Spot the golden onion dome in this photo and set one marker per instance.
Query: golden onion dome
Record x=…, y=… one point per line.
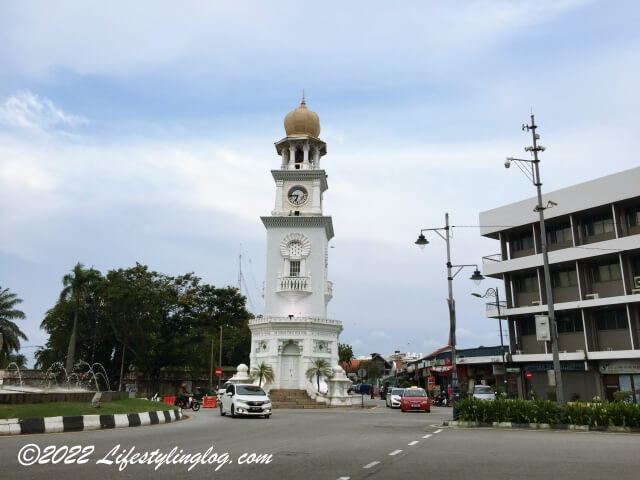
x=302, y=122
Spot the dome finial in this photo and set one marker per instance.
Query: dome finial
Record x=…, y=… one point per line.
x=303, y=102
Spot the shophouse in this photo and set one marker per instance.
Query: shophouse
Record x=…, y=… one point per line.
x=593, y=238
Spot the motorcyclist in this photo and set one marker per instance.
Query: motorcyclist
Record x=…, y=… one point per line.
x=183, y=396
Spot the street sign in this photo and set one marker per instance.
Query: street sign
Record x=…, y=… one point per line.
x=528, y=375
x=218, y=372
x=362, y=372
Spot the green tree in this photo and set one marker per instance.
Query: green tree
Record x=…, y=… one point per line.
x=263, y=371
x=373, y=370
x=76, y=286
x=11, y=333
x=319, y=368
x=345, y=353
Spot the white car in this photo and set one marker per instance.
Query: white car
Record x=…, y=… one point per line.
x=245, y=399
x=394, y=397
x=483, y=392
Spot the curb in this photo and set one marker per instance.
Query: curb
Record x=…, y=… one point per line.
x=80, y=423
x=541, y=426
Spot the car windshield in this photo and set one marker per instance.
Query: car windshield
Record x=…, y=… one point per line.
x=397, y=391
x=249, y=390
x=482, y=389
x=414, y=392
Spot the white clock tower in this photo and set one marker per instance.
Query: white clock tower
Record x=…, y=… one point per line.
x=295, y=330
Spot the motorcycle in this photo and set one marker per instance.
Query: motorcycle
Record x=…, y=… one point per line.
x=192, y=402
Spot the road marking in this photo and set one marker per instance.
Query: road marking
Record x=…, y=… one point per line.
x=438, y=431
x=395, y=452
x=344, y=478
x=372, y=464
x=427, y=436
x=436, y=426
x=412, y=443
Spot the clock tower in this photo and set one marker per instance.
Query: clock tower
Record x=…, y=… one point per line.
x=294, y=329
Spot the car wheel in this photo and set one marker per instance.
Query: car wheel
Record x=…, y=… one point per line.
x=222, y=414
x=233, y=412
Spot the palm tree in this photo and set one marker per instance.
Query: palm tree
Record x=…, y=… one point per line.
x=263, y=371
x=319, y=368
x=10, y=333
x=76, y=285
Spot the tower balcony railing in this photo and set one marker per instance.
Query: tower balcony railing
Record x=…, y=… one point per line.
x=328, y=290
x=294, y=284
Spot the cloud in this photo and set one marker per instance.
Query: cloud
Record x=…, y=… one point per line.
x=378, y=334
x=28, y=110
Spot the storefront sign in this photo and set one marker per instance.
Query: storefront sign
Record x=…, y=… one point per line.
x=513, y=370
x=617, y=367
x=564, y=366
x=441, y=368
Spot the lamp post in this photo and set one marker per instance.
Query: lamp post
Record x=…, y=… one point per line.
x=534, y=176
x=493, y=292
x=476, y=277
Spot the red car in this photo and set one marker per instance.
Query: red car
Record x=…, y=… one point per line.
x=415, y=399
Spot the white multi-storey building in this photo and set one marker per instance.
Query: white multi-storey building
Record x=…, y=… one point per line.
x=593, y=237
x=294, y=329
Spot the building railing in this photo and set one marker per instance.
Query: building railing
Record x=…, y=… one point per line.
x=294, y=284
x=492, y=306
x=489, y=259
x=324, y=321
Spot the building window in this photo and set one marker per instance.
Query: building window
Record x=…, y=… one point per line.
x=613, y=319
x=633, y=216
x=294, y=268
x=605, y=273
x=527, y=326
x=569, y=322
x=567, y=278
x=523, y=241
x=299, y=156
x=528, y=284
x=598, y=225
x=559, y=234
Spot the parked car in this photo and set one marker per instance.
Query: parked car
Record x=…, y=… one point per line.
x=415, y=399
x=394, y=397
x=483, y=392
x=245, y=399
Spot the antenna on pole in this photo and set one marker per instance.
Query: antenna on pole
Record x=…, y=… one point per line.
x=240, y=270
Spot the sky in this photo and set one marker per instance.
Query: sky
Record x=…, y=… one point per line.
x=143, y=132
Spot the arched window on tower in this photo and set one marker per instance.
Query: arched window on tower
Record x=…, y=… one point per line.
x=299, y=157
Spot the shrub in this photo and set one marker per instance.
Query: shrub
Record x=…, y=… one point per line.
x=526, y=411
x=623, y=396
x=575, y=397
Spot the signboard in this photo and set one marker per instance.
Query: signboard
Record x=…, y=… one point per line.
x=617, y=367
x=551, y=378
x=528, y=375
x=218, y=372
x=543, y=333
x=362, y=372
x=513, y=370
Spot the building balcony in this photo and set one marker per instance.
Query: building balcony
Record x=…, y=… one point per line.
x=294, y=285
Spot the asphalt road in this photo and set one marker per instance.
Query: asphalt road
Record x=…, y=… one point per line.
x=331, y=444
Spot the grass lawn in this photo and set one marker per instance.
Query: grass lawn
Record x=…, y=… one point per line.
x=55, y=409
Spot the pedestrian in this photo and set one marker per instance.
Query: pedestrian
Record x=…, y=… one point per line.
x=372, y=393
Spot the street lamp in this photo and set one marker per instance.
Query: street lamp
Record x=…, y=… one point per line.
x=476, y=277
x=533, y=174
x=493, y=292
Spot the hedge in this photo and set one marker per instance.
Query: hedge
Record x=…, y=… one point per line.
x=543, y=411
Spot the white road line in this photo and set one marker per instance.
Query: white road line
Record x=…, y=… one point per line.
x=427, y=436
x=438, y=431
x=395, y=452
x=436, y=426
x=344, y=478
x=372, y=464
x=412, y=443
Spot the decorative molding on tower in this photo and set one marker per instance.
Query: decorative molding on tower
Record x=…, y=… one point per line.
x=301, y=176
x=299, y=221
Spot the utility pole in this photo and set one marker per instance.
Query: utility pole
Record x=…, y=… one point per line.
x=220, y=356
x=545, y=258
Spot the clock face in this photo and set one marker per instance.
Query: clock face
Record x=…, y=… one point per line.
x=297, y=195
